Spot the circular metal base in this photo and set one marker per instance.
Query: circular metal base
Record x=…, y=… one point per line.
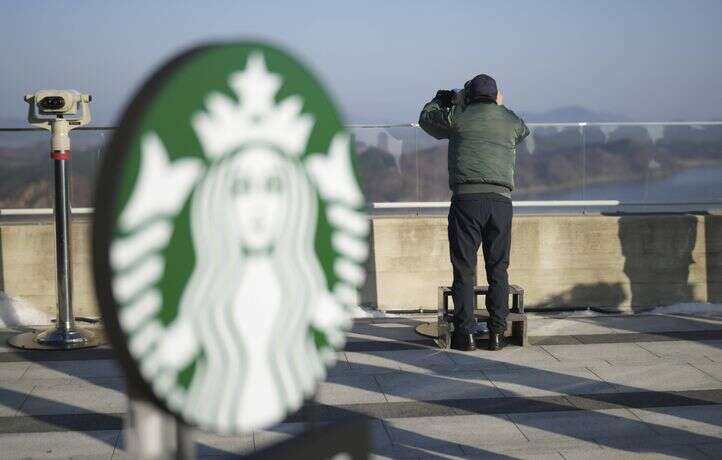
x=431, y=330
x=55, y=339
x=443, y=340
x=428, y=330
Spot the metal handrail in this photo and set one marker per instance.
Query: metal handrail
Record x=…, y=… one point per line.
x=546, y=204
x=416, y=125
x=428, y=205
x=41, y=211
x=82, y=128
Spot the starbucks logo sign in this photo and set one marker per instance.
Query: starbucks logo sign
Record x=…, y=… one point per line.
x=229, y=240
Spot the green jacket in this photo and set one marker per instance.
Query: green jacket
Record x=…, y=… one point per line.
x=482, y=144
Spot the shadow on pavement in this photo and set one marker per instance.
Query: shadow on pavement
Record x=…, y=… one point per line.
x=568, y=401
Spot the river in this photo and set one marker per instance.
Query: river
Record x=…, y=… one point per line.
x=694, y=185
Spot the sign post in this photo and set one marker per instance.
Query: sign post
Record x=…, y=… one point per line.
x=231, y=242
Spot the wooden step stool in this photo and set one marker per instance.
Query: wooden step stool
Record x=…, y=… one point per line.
x=516, y=321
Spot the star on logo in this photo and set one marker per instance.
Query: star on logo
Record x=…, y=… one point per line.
x=227, y=125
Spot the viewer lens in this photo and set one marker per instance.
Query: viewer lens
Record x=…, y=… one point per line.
x=52, y=103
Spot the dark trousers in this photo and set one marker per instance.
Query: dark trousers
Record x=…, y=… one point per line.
x=474, y=219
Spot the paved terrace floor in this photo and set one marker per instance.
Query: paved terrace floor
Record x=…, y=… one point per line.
x=642, y=386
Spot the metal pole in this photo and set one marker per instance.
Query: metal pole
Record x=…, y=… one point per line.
x=65, y=335
x=185, y=444
x=150, y=433
x=583, y=139
x=61, y=207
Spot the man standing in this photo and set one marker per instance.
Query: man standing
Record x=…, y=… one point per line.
x=483, y=135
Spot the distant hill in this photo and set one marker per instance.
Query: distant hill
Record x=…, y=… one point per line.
x=571, y=114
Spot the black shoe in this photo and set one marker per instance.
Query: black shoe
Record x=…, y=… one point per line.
x=463, y=342
x=496, y=341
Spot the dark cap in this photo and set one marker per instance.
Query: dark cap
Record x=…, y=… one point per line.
x=481, y=87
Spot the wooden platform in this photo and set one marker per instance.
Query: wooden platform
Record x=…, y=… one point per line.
x=516, y=321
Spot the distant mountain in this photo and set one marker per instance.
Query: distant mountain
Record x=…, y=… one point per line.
x=571, y=114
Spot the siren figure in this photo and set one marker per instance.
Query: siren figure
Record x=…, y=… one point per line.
x=253, y=222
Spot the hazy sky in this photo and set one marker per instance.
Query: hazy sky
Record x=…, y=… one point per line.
x=648, y=59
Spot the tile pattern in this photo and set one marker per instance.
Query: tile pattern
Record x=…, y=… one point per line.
x=603, y=387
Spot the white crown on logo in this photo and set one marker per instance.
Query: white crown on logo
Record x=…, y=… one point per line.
x=255, y=117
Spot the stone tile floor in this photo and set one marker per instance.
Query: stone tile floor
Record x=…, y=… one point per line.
x=643, y=386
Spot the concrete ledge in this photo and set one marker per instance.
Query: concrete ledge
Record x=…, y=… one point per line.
x=27, y=265
x=606, y=261
x=640, y=261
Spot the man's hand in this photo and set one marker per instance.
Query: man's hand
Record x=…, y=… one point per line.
x=445, y=97
x=499, y=98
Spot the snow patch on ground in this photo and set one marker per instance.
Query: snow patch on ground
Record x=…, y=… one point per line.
x=15, y=312
x=703, y=309
x=569, y=314
x=364, y=312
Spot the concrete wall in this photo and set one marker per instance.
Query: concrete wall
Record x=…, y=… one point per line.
x=559, y=260
x=27, y=265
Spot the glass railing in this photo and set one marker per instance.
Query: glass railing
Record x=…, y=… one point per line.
x=571, y=166
x=579, y=166
x=26, y=172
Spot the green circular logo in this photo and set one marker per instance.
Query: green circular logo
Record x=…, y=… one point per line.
x=229, y=239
